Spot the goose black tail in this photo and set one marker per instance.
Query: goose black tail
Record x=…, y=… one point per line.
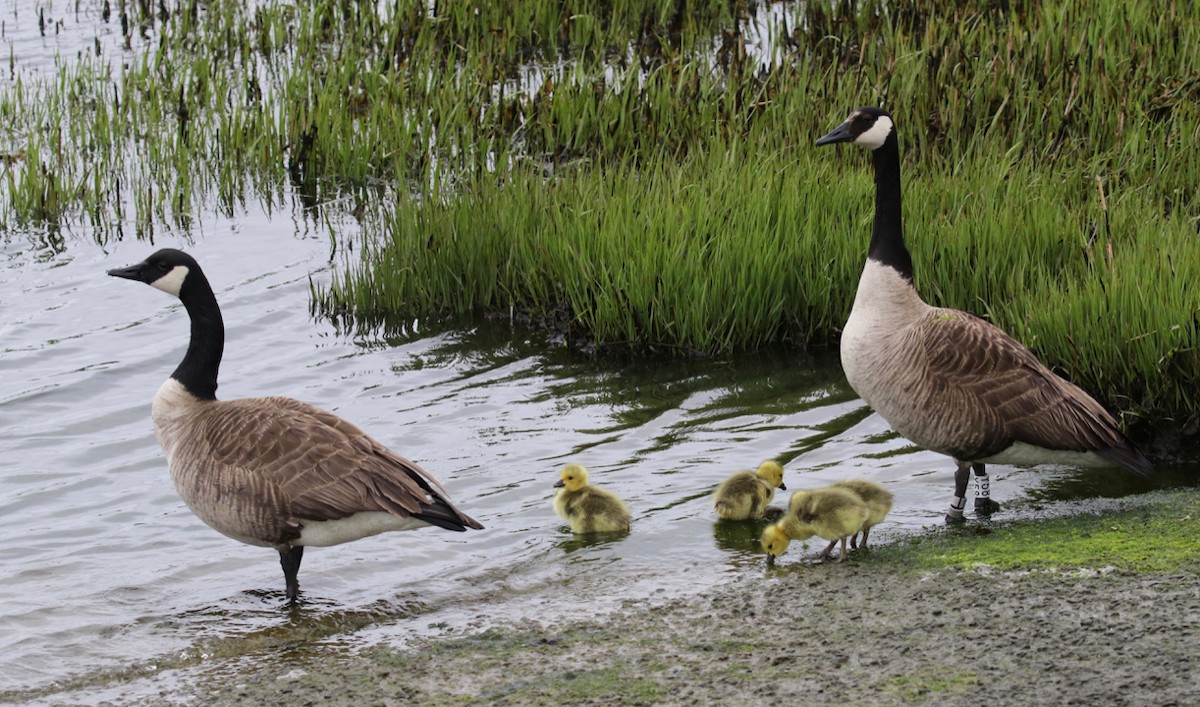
x=443, y=515
x=1128, y=457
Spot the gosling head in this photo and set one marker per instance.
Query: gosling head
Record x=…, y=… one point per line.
x=167, y=270
x=774, y=542
x=866, y=127
x=573, y=478
x=772, y=473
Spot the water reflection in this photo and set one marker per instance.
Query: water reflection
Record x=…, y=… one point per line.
x=575, y=543
x=742, y=536
x=487, y=407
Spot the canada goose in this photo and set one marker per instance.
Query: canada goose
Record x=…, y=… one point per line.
x=745, y=495
x=878, y=500
x=588, y=509
x=833, y=513
x=947, y=380
x=274, y=472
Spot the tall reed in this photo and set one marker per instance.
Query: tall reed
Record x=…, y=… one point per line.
x=647, y=167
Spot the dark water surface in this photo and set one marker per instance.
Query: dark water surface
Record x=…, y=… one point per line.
x=105, y=575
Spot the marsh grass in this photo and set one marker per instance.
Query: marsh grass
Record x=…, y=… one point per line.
x=648, y=169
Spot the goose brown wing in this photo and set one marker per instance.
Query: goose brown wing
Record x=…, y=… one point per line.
x=1010, y=392
x=323, y=467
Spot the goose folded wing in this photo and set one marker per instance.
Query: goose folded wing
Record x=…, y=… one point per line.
x=325, y=468
x=1007, y=386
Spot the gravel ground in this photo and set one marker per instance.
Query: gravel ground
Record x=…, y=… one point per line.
x=827, y=634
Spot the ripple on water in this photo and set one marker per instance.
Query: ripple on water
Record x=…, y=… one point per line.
x=108, y=576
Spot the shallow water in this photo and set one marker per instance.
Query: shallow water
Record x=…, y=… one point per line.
x=106, y=570
x=107, y=576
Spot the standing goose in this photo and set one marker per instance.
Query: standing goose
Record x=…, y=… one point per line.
x=274, y=472
x=947, y=380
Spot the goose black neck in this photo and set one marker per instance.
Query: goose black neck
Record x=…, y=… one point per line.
x=198, y=370
x=887, y=236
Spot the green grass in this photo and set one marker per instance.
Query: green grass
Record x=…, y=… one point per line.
x=937, y=680
x=1159, y=537
x=624, y=162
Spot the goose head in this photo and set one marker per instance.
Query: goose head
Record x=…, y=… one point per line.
x=774, y=542
x=867, y=127
x=166, y=270
x=772, y=473
x=573, y=478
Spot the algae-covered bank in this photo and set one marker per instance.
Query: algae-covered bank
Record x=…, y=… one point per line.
x=946, y=617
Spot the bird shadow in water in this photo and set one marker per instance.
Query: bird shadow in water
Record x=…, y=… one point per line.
x=580, y=541
x=744, y=535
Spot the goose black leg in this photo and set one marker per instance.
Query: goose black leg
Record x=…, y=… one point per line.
x=289, y=559
x=984, y=505
x=961, y=477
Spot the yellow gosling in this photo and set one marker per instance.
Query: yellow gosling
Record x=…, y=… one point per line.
x=588, y=509
x=745, y=495
x=831, y=513
x=878, y=500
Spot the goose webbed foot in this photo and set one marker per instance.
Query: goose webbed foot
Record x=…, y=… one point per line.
x=828, y=549
x=985, y=506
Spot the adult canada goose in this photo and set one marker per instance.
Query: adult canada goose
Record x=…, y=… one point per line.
x=587, y=508
x=745, y=495
x=274, y=472
x=947, y=380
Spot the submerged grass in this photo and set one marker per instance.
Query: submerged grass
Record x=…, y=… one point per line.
x=647, y=166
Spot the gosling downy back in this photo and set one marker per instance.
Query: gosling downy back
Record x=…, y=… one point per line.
x=878, y=499
x=274, y=472
x=587, y=508
x=831, y=513
x=745, y=495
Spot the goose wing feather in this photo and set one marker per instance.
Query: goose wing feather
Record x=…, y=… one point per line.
x=320, y=466
x=999, y=382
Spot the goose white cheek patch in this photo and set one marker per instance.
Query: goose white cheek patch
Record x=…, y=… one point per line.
x=874, y=138
x=172, y=282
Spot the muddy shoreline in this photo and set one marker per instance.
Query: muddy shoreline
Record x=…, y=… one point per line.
x=832, y=634
x=927, y=619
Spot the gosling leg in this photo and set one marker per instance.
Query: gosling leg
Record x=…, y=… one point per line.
x=865, y=532
x=842, y=554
